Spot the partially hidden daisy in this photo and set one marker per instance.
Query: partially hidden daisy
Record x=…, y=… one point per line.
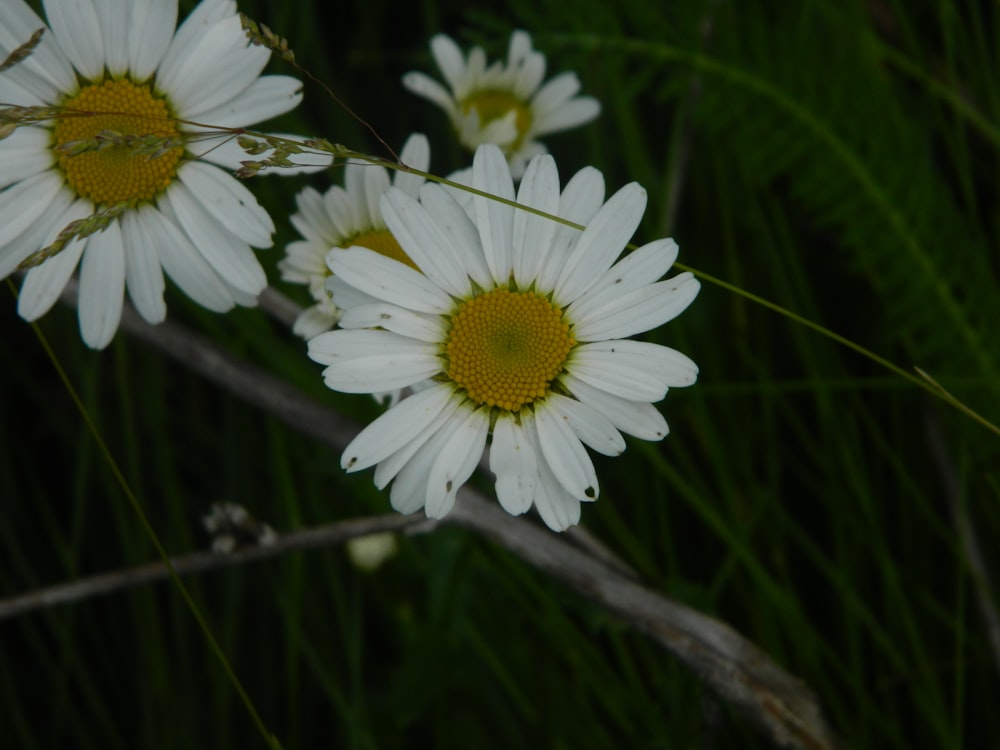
x=117, y=69
x=521, y=326
x=506, y=105
x=342, y=217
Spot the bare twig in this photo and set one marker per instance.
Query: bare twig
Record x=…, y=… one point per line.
x=279, y=307
x=199, y=562
x=782, y=707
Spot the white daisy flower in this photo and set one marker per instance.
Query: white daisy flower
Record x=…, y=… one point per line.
x=521, y=325
x=340, y=218
x=503, y=104
x=120, y=65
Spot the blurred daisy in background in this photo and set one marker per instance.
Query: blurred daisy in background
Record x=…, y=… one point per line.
x=520, y=324
x=506, y=105
x=116, y=68
x=340, y=218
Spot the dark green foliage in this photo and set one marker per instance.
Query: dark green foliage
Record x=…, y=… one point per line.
x=837, y=158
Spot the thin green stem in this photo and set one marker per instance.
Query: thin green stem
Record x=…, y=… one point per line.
x=109, y=459
x=922, y=379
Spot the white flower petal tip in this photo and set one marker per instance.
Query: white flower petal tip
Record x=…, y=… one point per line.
x=512, y=333
x=504, y=103
x=394, y=429
x=138, y=74
x=352, y=215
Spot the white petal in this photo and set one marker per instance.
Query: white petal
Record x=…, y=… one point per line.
x=448, y=57
x=640, y=310
x=554, y=94
x=462, y=240
x=184, y=264
x=21, y=205
x=151, y=27
x=429, y=89
x=410, y=489
x=32, y=238
x=518, y=48
x=642, y=266
x=380, y=373
x=462, y=177
x=595, y=430
x=501, y=131
x=390, y=466
x=229, y=201
x=416, y=153
x=570, y=115
x=355, y=208
x=220, y=65
x=143, y=273
x=43, y=284
x=530, y=75
x=46, y=73
x=388, y=280
x=229, y=256
x=557, y=507
x=204, y=15
x=360, y=342
x=601, y=242
x=475, y=71
x=513, y=462
x=417, y=232
x=14, y=93
x=580, y=200
x=113, y=17
x=315, y=320
x=313, y=220
x=582, y=197
x=494, y=219
x=102, y=287
x=455, y=463
x=565, y=455
x=376, y=182
x=519, y=159
x=24, y=153
x=369, y=361
x=636, y=418
x=304, y=263
x=75, y=26
x=264, y=98
x=635, y=370
x=396, y=319
x=240, y=297
x=209, y=60
x=394, y=429
x=532, y=234
x=345, y=296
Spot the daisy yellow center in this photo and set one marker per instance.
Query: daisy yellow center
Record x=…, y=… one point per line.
x=505, y=348
x=383, y=243
x=116, y=173
x=495, y=105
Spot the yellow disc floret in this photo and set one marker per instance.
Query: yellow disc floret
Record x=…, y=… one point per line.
x=505, y=348
x=117, y=172
x=493, y=105
x=383, y=243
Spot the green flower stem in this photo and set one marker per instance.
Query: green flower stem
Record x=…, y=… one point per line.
x=147, y=527
x=922, y=379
